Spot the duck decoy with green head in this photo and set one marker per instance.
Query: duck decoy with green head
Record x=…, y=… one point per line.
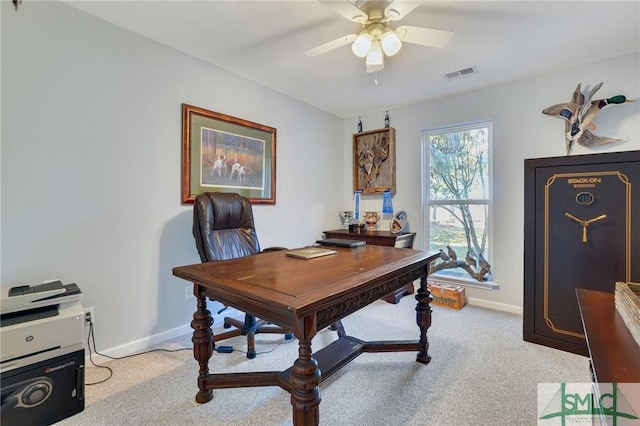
x=579, y=114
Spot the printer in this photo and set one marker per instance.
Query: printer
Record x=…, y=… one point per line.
x=41, y=353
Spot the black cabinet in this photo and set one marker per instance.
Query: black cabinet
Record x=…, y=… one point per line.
x=582, y=230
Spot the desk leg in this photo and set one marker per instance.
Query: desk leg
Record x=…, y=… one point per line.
x=202, y=345
x=305, y=377
x=423, y=318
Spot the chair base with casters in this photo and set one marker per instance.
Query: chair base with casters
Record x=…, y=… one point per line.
x=250, y=327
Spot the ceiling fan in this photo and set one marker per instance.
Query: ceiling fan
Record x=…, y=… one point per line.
x=377, y=38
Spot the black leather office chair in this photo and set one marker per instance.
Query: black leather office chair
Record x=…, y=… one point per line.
x=223, y=228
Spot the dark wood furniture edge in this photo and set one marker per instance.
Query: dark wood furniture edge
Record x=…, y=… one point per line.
x=528, y=323
x=614, y=353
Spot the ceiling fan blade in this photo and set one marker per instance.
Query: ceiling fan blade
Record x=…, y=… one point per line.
x=398, y=9
x=346, y=9
x=424, y=36
x=333, y=44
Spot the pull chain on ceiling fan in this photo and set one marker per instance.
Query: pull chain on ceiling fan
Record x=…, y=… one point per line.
x=377, y=39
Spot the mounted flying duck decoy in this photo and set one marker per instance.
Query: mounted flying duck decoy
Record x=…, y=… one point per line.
x=579, y=114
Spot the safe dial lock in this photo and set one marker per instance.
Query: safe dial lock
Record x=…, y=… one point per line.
x=585, y=223
x=35, y=392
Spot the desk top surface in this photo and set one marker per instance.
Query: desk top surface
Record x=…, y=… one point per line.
x=615, y=355
x=281, y=282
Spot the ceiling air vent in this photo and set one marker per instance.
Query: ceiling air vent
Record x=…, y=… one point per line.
x=461, y=73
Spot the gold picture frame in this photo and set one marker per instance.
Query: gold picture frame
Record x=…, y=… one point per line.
x=221, y=153
x=374, y=161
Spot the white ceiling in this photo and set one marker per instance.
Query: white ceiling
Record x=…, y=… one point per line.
x=264, y=41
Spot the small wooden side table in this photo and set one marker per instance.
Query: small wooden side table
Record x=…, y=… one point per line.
x=380, y=238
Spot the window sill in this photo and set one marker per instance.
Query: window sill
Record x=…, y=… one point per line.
x=452, y=279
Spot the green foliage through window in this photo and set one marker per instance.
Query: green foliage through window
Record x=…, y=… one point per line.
x=458, y=185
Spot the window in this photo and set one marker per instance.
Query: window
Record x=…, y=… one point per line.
x=456, y=175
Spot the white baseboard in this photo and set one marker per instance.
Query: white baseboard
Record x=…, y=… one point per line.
x=143, y=344
x=139, y=345
x=514, y=309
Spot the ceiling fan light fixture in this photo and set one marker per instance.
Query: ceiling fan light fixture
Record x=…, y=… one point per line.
x=375, y=68
x=375, y=56
x=362, y=44
x=391, y=43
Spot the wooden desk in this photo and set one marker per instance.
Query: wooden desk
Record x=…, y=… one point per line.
x=305, y=296
x=615, y=355
x=381, y=238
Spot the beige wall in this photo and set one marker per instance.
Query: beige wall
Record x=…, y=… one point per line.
x=91, y=148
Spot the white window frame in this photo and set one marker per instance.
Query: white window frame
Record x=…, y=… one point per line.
x=442, y=276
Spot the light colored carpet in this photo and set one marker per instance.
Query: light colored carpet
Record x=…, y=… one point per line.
x=482, y=373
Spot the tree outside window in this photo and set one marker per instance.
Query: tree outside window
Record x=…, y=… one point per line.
x=457, y=190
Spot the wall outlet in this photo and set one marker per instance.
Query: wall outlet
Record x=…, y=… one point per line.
x=89, y=316
x=188, y=292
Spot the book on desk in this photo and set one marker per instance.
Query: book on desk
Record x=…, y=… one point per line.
x=309, y=252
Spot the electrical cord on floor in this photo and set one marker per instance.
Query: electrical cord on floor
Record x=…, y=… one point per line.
x=228, y=349
x=91, y=340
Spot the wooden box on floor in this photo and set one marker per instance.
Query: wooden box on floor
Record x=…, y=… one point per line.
x=447, y=295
